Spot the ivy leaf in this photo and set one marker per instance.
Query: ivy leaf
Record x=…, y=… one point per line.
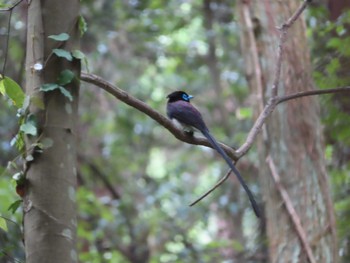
x=63, y=54
x=78, y=54
x=60, y=37
x=65, y=77
x=82, y=25
x=49, y=87
x=3, y=224
x=18, y=141
x=46, y=143
x=14, y=206
x=9, y=88
x=29, y=127
x=66, y=93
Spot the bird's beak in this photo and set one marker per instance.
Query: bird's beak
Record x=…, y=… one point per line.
x=190, y=97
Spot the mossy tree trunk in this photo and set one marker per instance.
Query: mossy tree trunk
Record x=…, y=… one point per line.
x=49, y=202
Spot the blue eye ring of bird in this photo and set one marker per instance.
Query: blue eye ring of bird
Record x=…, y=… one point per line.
x=187, y=97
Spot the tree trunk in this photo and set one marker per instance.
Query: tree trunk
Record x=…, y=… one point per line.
x=49, y=202
x=292, y=137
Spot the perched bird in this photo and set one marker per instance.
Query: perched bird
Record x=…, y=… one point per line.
x=181, y=110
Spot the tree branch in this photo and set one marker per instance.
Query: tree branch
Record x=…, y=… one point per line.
x=312, y=93
x=291, y=211
x=143, y=107
x=179, y=134
x=272, y=103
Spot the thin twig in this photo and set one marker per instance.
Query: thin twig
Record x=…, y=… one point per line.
x=296, y=14
x=272, y=103
x=7, y=44
x=312, y=93
x=282, y=39
x=220, y=182
x=291, y=211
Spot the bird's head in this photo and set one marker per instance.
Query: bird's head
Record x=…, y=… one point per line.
x=179, y=95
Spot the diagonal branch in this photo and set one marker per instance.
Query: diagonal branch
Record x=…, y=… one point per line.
x=291, y=211
x=155, y=115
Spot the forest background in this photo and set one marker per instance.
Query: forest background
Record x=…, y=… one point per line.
x=135, y=180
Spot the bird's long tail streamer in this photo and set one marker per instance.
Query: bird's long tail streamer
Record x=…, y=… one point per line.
x=218, y=148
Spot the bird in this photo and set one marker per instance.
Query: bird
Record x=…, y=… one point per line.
x=180, y=110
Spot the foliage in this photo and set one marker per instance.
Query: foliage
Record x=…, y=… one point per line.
x=331, y=61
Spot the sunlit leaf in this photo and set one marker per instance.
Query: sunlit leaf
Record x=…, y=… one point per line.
x=11, y=89
x=3, y=224
x=60, y=37
x=82, y=25
x=78, y=54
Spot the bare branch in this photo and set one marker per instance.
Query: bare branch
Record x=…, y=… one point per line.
x=272, y=103
x=312, y=93
x=282, y=39
x=291, y=211
x=220, y=182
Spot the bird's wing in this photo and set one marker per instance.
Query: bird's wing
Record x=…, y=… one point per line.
x=186, y=114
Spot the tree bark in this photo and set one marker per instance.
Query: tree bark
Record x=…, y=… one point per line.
x=293, y=137
x=49, y=202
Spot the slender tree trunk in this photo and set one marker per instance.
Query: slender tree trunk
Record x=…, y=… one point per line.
x=293, y=136
x=49, y=203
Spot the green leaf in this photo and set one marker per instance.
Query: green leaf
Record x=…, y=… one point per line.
x=46, y=143
x=3, y=224
x=63, y=54
x=66, y=93
x=60, y=37
x=11, y=89
x=29, y=127
x=18, y=141
x=65, y=77
x=82, y=25
x=78, y=54
x=49, y=87
x=14, y=206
